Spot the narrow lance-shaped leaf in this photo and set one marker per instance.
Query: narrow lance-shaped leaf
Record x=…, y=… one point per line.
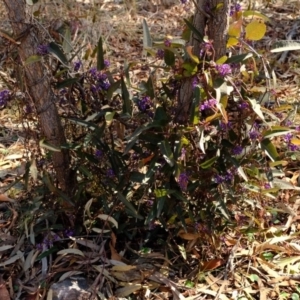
x=270, y=149
x=286, y=46
x=167, y=152
x=100, y=55
x=147, y=40
x=194, y=119
x=67, y=41
x=194, y=30
x=55, y=50
x=127, y=108
x=169, y=57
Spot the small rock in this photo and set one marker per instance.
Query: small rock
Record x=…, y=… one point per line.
x=73, y=288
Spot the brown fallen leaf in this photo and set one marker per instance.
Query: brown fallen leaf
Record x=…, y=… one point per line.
x=4, y=294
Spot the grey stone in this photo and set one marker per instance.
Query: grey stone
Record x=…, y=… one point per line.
x=73, y=288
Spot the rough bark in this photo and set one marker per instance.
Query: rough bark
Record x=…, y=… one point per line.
x=39, y=88
x=213, y=23
x=186, y=90
x=217, y=26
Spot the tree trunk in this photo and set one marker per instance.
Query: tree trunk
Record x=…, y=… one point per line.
x=39, y=88
x=217, y=26
x=214, y=23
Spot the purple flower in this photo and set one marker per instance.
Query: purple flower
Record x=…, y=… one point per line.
x=253, y=134
x=42, y=49
x=288, y=137
x=243, y=105
x=160, y=53
x=4, y=97
x=225, y=126
x=224, y=69
x=235, y=8
x=144, y=103
x=68, y=232
x=267, y=185
x=77, y=65
x=110, y=173
x=293, y=147
x=208, y=104
x=218, y=179
x=167, y=43
x=106, y=63
x=195, y=81
x=98, y=153
x=183, y=1
x=237, y=150
x=183, y=181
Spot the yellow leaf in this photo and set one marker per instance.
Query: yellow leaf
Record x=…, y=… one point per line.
x=255, y=31
x=234, y=29
x=232, y=41
x=295, y=141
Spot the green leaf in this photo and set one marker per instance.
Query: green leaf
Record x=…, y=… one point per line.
x=113, y=88
x=100, y=55
x=66, y=83
x=277, y=131
x=160, y=205
x=287, y=45
x=56, y=51
x=253, y=277
x=149, y=86
x=32, y=59
x=48, y=146
x=160, y=115
x=270, y=149
x=194, y=30
x=129, y=206
x=208, y=163
x=67, y=40
x=169, y=57
x=46, y=253
x=238, y=58
x=127, y=107
x=252, y=13
x=147, y=40
x=166, y=152
x=295, y=296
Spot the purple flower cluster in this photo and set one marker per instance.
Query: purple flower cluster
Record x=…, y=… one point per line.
x=243, y=105
x=42, y=50
x=237, y=150
x=225, y=126
x=4, y=97
x=223, y=178
x=287, y=138
x=101, y=79
x=195, y=81
x=47, y=242
x=167, y=43
x=160, y=53
x=207, y=46
x=110, y=173
x=235, y=8
x=183, y=1
x=98, y=154
x=208, y=104
x=223, y=69
x=77, y=65
x=183, y=181
x=68, y=233
x=253, y=134
x=106, y=63
x=144, y=103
